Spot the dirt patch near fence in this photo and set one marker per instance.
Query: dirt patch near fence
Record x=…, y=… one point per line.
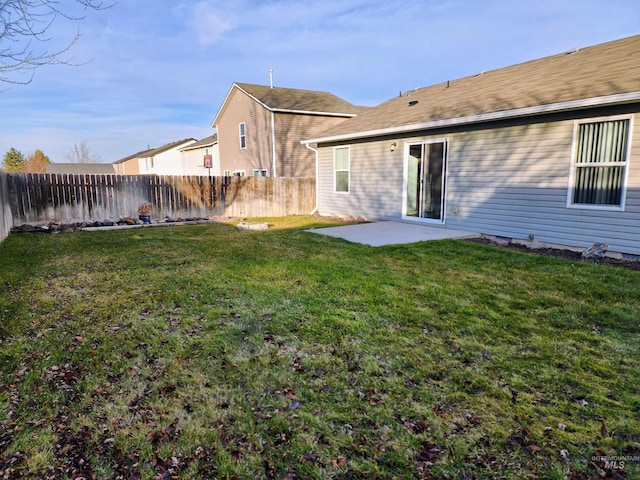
x=559, y=252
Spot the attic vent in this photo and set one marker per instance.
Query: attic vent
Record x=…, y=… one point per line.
x=481, y=74
x=571, y=52
x=413, y=102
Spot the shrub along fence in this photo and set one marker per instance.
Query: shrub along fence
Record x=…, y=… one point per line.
x=36, y=198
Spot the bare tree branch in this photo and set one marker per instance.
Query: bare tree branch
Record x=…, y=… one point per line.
x=23, y=27
x=82, y=153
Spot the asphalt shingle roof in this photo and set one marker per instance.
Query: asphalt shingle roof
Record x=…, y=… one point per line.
x=164, y=148
x=155, y=151
x=602, y=70
x=81, y=168
x=293, y=99
x=210, y=140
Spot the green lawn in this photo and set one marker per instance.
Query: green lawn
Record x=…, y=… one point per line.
x=205, y=352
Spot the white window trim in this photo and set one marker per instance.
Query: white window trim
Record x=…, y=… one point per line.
x=238, y=173
x=333, y=160
x=259, y=172
x=242, y=136
x=445, y=179
x=572, y=166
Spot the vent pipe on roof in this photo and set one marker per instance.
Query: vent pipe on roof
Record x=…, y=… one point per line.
x=271, y=77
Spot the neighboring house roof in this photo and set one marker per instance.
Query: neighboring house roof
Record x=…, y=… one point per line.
x=205, y=142
x=293, y=100
x=152, y=152
x=81, y=168
x=141, y=154
x=599, y=75
x=167, y=147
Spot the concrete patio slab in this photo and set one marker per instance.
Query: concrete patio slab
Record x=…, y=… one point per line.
x=377, y=234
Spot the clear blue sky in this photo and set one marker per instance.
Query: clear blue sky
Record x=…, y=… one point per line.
x=159, y=70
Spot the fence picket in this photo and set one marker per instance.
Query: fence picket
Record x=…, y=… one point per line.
x=36, y=198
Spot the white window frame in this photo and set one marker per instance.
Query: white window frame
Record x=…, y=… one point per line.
x=574, y=165
x=348, y=170
x=242, y=132
x=238, y=173
x=227, y=173
x=445, y=179
x=259, y=172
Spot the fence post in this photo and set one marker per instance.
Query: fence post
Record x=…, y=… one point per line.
x=6, y=217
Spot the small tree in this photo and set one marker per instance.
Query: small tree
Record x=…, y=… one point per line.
x=36, y=163
x=82, y=153
x=13, y=161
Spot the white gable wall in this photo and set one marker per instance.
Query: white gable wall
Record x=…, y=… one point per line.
x=169, y=162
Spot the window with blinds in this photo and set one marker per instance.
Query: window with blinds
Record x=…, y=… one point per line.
x=599, y=166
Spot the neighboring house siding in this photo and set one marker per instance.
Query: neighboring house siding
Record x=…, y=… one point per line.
x=169, y=162
x=193, y=161
x=293, y=158
x=257, y=154
x=510, y=181
x=129, y=167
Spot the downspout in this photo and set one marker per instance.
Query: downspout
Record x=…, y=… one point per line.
x=273, y=143
x=317, y=171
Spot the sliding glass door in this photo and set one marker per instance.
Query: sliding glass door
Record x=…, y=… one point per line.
x=426, y=164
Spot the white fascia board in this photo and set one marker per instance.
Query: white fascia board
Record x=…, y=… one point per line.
x=285, y=110
x=487, y=117
x=307, y=112
x=251, y=96
x=276, y=110
x=224, y=103
x=195, y=147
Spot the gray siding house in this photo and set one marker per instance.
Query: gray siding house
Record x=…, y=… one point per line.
x=548, y=149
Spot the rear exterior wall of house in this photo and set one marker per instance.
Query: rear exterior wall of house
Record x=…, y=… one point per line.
x=508, y=179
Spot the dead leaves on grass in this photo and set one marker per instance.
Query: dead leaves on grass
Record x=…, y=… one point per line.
x=166, y=434
x=63, y=378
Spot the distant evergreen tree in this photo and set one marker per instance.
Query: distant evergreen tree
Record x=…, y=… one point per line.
x=13, y=161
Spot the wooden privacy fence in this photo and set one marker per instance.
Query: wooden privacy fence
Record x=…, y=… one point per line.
x=6, y=218
x=63, y=198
